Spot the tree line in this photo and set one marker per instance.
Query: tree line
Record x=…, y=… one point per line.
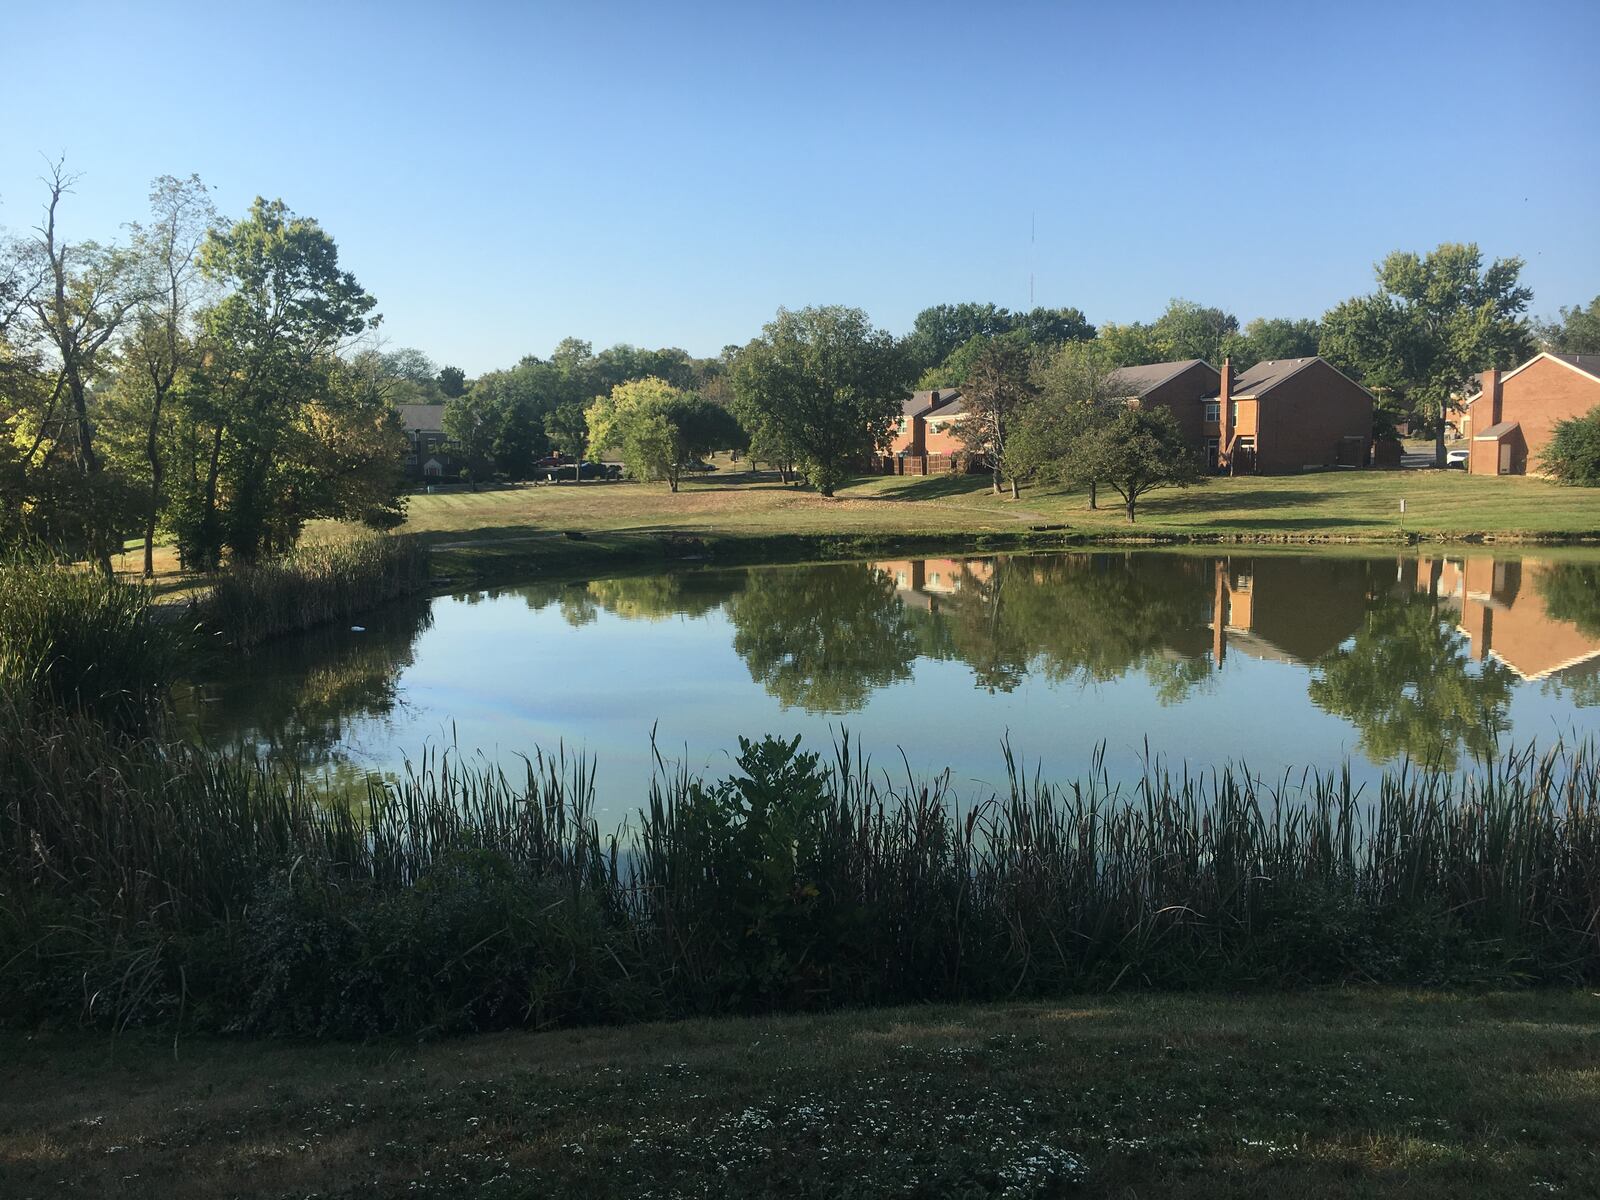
x=220, y=382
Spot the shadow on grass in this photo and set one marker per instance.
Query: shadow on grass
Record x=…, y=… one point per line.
x=931, y=487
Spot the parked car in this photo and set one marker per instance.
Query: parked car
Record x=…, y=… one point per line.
x=1456, y=459
x=555, y=472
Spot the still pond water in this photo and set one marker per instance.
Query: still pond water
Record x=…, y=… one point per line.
x=1280, y=660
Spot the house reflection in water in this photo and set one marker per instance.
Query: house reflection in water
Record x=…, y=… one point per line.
x=923, y=582
x=1287, y=609
x=1504, y=610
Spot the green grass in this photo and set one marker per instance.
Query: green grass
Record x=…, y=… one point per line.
x=730, y=515
x=1351, y=1093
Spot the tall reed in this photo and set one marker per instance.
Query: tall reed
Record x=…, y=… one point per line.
x=312, y=586
x=143, y=881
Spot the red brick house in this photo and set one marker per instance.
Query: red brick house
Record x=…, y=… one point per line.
x=1287, y=415
x=1180, y=387
x=927, y=424
x=1277, y=416
x=1512, y=419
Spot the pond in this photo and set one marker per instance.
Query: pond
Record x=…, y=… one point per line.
x=1279, y=660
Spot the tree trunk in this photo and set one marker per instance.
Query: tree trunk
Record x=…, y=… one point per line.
x=996, y=479
x=1094, y=494
x=1014, y=492
x=211, y=550
x=152, y=450
x=1129, y=509
x=1438, y=443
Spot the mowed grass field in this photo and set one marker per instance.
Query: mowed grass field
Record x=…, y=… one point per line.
x=1332, y=504
x=523, y=526
x=1329, y=1094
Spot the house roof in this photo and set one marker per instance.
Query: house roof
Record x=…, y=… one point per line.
x=1589, y=364
x=1141, y=380
x=1257, y=381
x=1496, y=432
x=422, y=417
x=955, y=406
x=921, y=403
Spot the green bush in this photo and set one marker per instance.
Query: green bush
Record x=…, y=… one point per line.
x=1573, y=455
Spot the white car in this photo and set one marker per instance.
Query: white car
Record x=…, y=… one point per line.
x=1456, y=458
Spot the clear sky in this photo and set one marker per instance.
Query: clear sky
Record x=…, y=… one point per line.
x=502, y=175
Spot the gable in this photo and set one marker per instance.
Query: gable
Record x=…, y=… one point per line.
x=1318, y=376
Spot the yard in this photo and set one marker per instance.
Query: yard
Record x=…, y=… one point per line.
x=1331, y=1094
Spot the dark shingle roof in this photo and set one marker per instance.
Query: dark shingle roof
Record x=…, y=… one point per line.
x=1140, y=381
x=425, y=417
x=1267, y=375
x=920, y=404
x=1589, y=364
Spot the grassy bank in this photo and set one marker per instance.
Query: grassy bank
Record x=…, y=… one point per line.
x=1363, y=1093
x=742, y=518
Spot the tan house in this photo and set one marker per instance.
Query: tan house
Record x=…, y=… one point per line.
x=1512, y=419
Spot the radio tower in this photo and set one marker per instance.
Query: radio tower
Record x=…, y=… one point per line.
x=1033, y=223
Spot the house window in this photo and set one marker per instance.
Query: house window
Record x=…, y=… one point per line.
x=1213, y=411
x=411, y=460
x=1213, y=447
x=1233, y=410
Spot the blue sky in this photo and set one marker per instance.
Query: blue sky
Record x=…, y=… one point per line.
x=503, y=175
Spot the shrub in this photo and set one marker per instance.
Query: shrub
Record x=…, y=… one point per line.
x=1573, y=455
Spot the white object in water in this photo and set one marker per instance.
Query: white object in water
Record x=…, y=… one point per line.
x=358, y=629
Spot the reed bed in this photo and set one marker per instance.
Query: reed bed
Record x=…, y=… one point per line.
x=147, y=882
x=312, y=586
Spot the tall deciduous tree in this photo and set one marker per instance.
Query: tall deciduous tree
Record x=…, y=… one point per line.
x=1435, y=322
x=274, y=337
x=88, y=291
x=825, y=384
x=998, y=392
x=1079, y=393
x=164, y=342
x=1190, y=330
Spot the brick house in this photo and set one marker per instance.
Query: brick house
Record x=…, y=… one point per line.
x=927, y=424
x=1286, y=415
x=1180, y=387
x=1512, y=419
x=428, y=451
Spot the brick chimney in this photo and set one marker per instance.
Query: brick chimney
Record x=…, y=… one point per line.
x=1491, y=393
x=1225, y=411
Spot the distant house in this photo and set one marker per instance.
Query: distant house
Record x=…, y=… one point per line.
x=428, y=454
x=1277, y=416
x=927, y=424
x=1512, y=419
x=1286, y=415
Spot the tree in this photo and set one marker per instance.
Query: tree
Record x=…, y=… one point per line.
x=997, y=394
x=660, y=430
x=1079, y=393
x=165, y=342
x=1268, y=339
x=1190, y=330
x=88, y=292
x=938, y=330
x=568, y=431
x=1435, y=323
x=273, y=342
x=452, y=382
x=824, y=384
x=1573, y=455
x=1053, y=326
x=1575, y=331
x=1129, y=345
x=1137, y=451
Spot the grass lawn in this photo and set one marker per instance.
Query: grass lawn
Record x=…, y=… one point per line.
x=505, y=529
x=1328, y=1094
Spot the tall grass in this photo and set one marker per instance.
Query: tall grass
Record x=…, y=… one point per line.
x=149, y=882
x=313, y=586
x=71, y=639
